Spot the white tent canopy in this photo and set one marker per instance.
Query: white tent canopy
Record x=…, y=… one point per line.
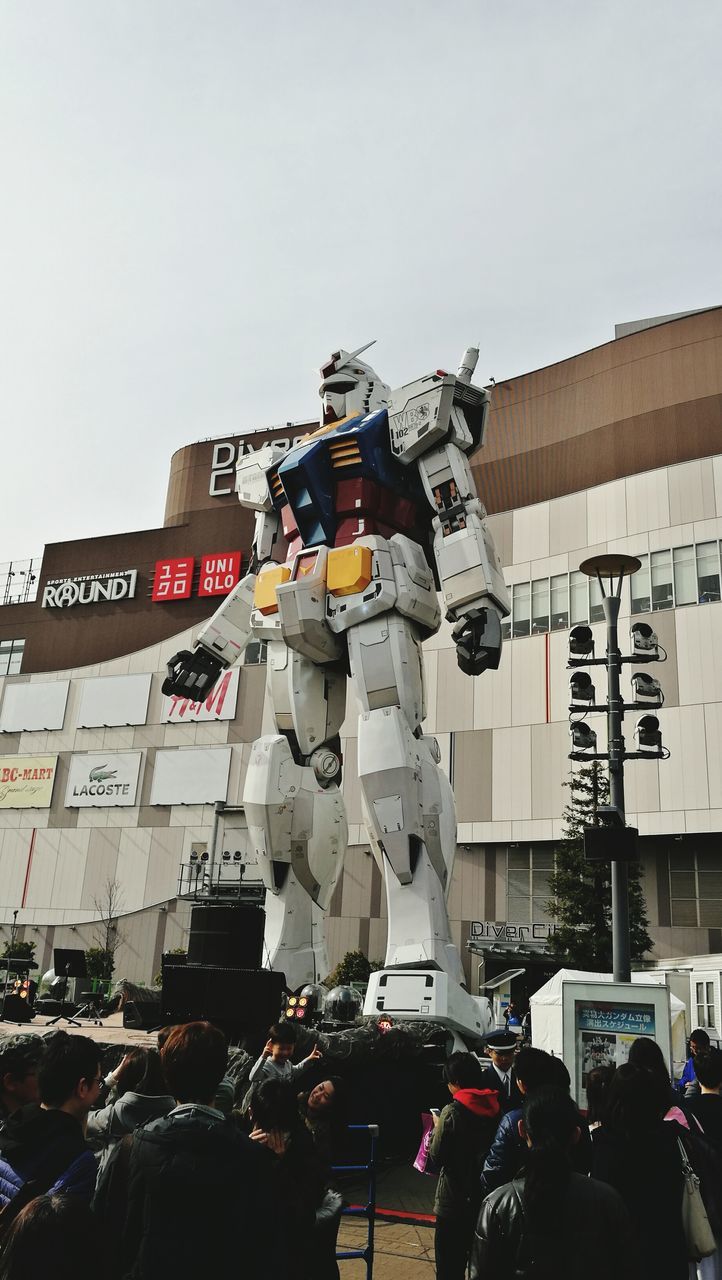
x=546, y=1009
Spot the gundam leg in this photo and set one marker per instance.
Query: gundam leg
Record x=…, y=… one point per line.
x=295, y=811
x=408, y=801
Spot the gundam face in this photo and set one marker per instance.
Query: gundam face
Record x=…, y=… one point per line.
x=348, y=387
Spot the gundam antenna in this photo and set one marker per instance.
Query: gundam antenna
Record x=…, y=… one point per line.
x=357, y=352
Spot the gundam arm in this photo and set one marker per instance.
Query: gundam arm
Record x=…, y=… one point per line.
x=221, y=641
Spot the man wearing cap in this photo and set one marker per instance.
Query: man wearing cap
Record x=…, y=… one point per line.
x=501, y=1047
x=20, y=1057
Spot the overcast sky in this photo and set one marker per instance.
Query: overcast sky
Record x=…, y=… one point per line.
x=202, y=198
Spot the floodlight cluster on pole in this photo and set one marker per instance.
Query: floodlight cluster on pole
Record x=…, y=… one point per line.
x=614, y=841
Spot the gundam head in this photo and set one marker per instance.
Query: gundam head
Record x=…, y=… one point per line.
x=349, y=387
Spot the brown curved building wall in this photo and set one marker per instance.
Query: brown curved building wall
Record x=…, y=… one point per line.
x=646, y=400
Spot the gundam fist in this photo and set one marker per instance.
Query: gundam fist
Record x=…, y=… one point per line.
x=192, y=675
x=477, y=637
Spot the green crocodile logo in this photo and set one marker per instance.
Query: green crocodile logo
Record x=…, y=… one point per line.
x=102, y=773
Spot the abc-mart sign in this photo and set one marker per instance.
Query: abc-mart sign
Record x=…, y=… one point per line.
x=91, y=588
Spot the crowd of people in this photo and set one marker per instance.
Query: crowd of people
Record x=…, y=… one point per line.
x=530, y=1186
x=154, y=1170
x=160, y=1167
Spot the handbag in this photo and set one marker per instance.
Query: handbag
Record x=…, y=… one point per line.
x=698, y=1233
x=423, y=1161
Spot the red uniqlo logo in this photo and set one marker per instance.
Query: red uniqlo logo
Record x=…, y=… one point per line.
x=219, y=573
x=173, y=579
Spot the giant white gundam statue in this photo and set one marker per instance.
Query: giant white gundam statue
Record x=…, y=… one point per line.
x=374, y=511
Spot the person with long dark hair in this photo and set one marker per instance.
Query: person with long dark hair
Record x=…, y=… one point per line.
x=636, y=1151
x=55, y=1236
x=551, y=1222
x=142, y=1094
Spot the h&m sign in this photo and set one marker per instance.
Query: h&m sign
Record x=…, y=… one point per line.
x=487, y=932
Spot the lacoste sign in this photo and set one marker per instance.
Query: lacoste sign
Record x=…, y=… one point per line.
x=91, y=588
x=103, y=781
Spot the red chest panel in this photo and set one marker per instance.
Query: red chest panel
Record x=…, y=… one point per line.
x=363, y=507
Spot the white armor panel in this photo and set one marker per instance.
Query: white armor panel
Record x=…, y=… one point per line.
x=430, y=410
x=252, y=476
x=469, y=565
x=292, y=819
x=302, y=611
x=227, y=633
x=307, y=699
x=402, y=580
x=386, y=667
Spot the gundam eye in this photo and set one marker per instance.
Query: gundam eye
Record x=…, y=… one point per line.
x=341, y=388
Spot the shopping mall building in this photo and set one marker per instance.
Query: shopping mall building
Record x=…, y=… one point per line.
x=103, y=780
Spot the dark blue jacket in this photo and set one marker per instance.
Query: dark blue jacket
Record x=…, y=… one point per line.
x=506, y=1154
x=46, y=1148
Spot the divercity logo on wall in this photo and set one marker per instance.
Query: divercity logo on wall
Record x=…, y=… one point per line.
x=103, y=781
x=89, y=588
x=26, y=782
x=226, y=454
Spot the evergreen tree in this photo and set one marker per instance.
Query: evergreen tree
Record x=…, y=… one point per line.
x=581, y=902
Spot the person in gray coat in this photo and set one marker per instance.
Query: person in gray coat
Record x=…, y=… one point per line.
x=141, y=1095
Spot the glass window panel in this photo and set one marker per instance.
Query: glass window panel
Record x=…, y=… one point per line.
x=661, y=571
x=518, y=910
x=708, y=582
x=596, y=612
x=685, y=578
x=683, y=884
x=518, y=858
x=640, y=599
x=710, y=884
x=540, y=605
x=709, y=861
x=506, y=629
x=560, y=601
x=6, y=646
x=681, y=861
x=700, y=992
x=710, y=913
x=543, y=858
x=710, y=992
x=684, y=914
x=15, y=664
x=578, y=597
x=520, y=615
x=517, y=882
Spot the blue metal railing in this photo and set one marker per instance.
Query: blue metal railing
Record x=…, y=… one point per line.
x=367, y=1211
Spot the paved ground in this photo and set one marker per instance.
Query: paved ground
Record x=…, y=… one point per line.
x=401, y=1252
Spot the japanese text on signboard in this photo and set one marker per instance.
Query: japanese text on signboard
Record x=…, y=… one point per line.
x=173, y=579
x=606, y=1016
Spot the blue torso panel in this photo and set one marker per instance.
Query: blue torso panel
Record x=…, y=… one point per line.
x=357, y=448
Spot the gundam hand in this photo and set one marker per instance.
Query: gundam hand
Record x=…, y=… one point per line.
x=192, y=675
x=477, y=636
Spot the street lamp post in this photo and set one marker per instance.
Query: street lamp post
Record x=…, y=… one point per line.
x=615, y=567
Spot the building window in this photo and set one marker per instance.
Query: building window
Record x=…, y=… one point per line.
x=527, y=884
x=685, y=577
x=520, y=615
x=695, y=886
x=640, y=586
x=255, y=653
x=707, y=572
x=661, y=566
x=560, y=601
x=11, y=657
x=705, y=1004
x=596, y=609
x=539, y=605
x=578, y=597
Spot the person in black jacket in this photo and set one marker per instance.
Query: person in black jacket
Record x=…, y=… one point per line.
x=636, y=1151
x=188, y=1195
x=551, y=1223
x=462, y=1134
x=534, y=1070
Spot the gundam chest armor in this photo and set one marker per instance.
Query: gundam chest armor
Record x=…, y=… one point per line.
x=358, y=529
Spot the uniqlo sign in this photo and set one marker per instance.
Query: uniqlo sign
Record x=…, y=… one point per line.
x=219, y=573
x=173, y=579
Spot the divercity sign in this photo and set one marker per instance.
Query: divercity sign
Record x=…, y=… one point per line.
x=486, y=932
x=89, y=588
x=226, y=454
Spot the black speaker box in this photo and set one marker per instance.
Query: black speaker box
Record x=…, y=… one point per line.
x=142, y=1016
x=228, y=936
x=237, y=1000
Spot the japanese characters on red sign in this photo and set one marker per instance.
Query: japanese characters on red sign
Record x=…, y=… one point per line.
x=219, y=573
x=173, y=579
